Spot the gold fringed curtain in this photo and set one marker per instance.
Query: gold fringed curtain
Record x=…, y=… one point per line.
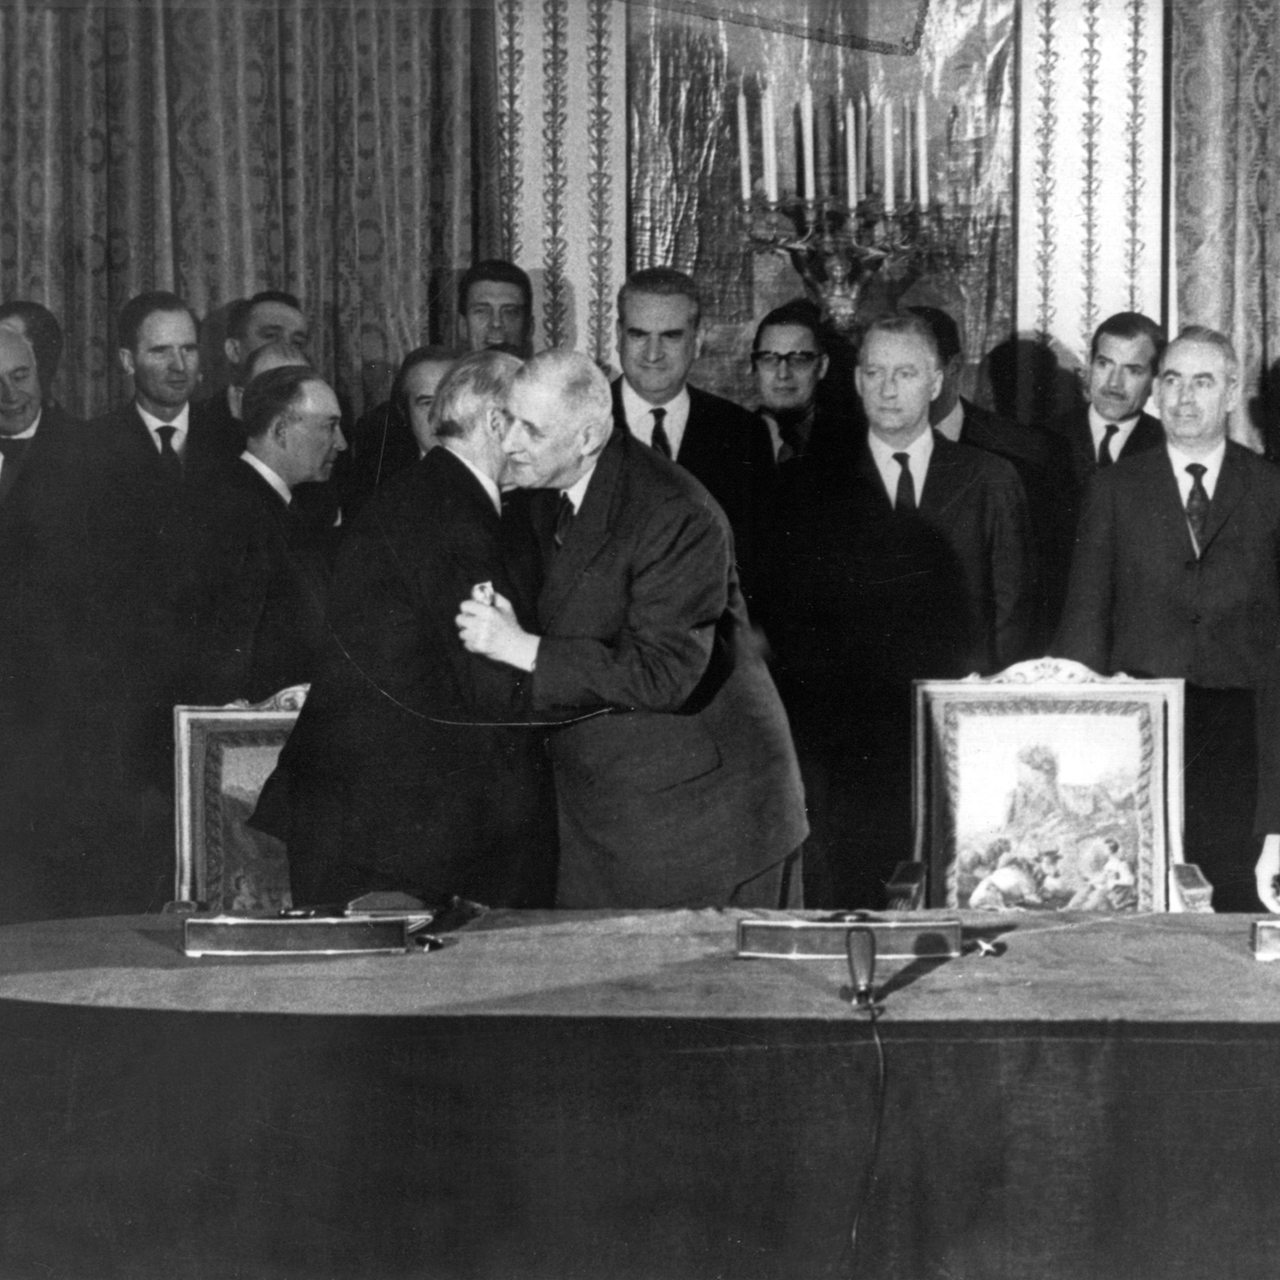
x=341, y=149
x=1226, y=122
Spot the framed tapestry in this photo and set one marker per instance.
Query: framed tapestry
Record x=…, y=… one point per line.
x=1049, y=788
x=223, y=757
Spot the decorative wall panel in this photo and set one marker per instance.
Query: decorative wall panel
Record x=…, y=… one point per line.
x=1091, y=175
x=562, y=68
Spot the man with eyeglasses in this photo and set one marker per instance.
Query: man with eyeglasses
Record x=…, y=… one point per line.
x=788, y=363
x=718, y=442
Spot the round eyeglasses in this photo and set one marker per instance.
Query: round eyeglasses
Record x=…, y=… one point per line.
x=800, y=361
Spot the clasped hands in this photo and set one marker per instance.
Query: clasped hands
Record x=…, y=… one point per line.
x=488, y=626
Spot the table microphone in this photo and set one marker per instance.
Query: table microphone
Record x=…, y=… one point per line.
x=860, y=948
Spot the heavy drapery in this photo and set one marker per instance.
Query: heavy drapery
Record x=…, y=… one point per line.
x=345, y=150
x=1226, y=121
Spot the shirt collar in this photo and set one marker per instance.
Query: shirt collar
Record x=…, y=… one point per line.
x=639, y=414
x=30, y=431
x=271, y=477
x=488, y=483
x=919, y=450
x=1211, y=462
x=179, y=423
x=578, y=489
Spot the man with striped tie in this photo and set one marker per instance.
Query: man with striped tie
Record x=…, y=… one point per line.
x=1176, y=573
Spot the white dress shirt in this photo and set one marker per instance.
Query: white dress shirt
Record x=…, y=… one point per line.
x=179, y=424
x=639, y=415
x=1211, y=462
x=275, y=480
x=918, y=452
x=1098, y=429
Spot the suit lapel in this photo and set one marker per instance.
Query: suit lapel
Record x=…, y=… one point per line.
x=945, y=481
x=590, y=529
x=1227, y=495
x=1166, y=511
x=866, y=471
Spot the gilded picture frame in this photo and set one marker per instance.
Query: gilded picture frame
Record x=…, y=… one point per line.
x=1049, y=788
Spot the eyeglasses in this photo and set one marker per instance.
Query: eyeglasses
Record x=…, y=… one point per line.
x=800, y=361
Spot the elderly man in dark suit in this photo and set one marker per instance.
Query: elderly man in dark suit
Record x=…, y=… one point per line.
x=910, y=558
x=678, y=785
x=720, y=443
x=32, y=432
x=1112, y=422
x=253, y=582
x=410, y=768
x=1177, y=574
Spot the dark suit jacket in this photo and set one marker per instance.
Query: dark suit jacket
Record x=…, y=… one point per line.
x=689, y=785
x=38, y=503
x=250, y=591
x=728, y=449
x=1043, y=461
x=401, y=772
x=1073, y=430
x=381, y=445
x=1141, y=602
x=865, y=601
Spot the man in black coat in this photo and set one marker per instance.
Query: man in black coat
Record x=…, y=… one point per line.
x=252, y=581
x=910, y=559
x=676, y=779
x=720, y=443
x=408, y=768
x=1177, y=575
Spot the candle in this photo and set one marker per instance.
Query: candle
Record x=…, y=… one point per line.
x=770, y=146
x=808, y=173
x=744, y=146
x=850, y=153
x=922, y=153
x=888, y=156
x=864, y=145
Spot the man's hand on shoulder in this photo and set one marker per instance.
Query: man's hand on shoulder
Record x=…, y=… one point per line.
x=492, y=631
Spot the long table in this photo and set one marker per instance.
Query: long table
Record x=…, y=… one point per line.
x=617, y=1096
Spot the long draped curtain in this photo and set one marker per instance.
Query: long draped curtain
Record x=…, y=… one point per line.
x=345, y=150
x=1226, y=122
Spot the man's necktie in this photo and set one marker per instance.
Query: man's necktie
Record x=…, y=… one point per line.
x=1104, y=449
x=660, y=441
x=564, y=518
x=1197, y=504
x=169, y=460
x=905, y=498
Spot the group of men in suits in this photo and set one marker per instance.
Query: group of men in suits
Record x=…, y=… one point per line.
x=597, y=619
x=153, y=555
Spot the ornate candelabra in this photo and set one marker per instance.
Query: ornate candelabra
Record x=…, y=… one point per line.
x=836, y=249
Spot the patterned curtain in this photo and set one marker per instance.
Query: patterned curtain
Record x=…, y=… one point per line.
x=1227, y=190
x=345, y=150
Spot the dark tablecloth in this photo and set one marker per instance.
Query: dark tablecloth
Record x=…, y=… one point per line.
x=584, y=1095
